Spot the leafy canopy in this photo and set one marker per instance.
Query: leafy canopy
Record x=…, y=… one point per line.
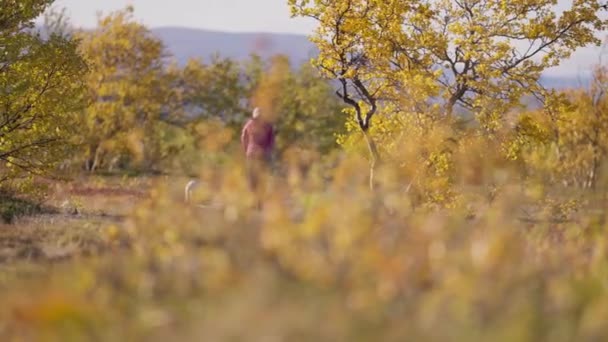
x=481, y=55
x=41, y=91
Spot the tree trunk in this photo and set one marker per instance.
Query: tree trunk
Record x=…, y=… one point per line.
x=449, y=111
x=88, y=163
x=592, y=177
x=94, y=158
x=374, y=158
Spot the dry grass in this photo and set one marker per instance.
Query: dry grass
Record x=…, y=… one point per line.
x=73, y=224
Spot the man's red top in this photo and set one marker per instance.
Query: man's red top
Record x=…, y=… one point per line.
x=257, y=139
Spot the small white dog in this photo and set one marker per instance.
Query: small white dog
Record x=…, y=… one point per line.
x=193, y=184
x=189, y=190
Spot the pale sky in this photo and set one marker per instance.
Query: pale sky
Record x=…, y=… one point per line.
x=222, y=15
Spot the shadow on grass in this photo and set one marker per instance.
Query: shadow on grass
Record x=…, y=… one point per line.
x=12, y=208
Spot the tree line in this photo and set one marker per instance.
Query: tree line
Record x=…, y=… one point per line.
x=413, y=83
x=113, y=99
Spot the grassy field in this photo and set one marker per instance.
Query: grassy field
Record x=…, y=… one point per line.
x=69, y=226
x=69, y=223
x=47, y=252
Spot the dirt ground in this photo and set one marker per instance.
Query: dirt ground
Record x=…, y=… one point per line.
x=71, y=222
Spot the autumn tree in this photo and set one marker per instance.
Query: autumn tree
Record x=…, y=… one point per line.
x=125, y=91
x=570, y=146
x=433, y=57
x=41, y=92
x=592, y=121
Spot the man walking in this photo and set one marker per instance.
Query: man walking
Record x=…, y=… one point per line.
x=257, y=140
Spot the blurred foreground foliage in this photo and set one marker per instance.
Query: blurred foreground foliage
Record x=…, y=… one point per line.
x=495, y=257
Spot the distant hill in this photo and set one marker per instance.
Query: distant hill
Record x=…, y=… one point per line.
x=185, y=43
x=566, y=82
